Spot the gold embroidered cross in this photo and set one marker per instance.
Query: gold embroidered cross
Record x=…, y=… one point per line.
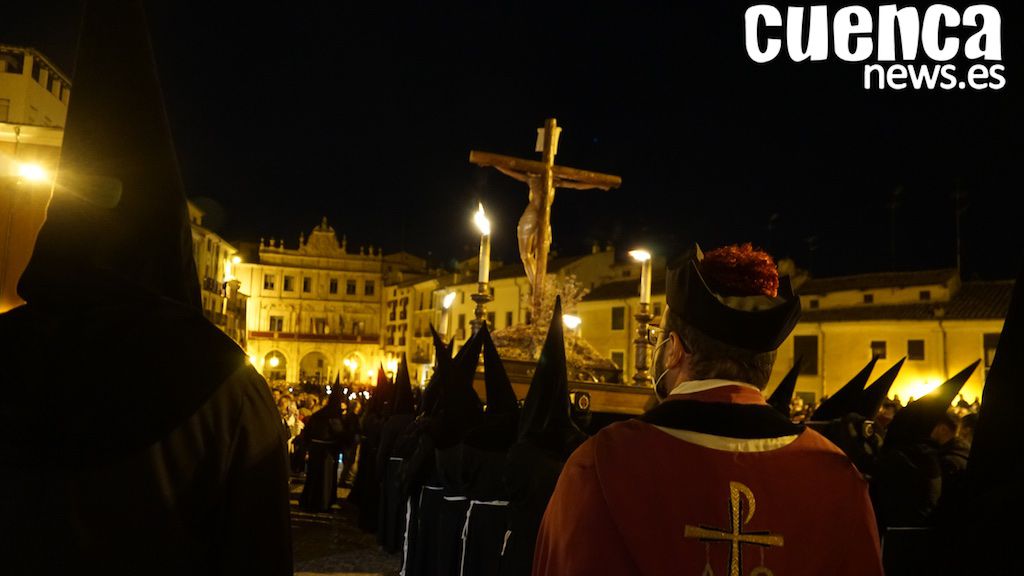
x=736, y=536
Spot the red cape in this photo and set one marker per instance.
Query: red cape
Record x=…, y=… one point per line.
x=637, y=499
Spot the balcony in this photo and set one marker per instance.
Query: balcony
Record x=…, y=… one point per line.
x=314, y=337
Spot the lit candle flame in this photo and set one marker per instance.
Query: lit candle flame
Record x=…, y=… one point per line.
x=481, y=221
x=640, y=255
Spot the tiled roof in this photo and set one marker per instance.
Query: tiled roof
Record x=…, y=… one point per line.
x=974, y=301
x=877, y=280
x=623, y=289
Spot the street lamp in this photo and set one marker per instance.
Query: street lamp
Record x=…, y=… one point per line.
x=642, y=376
x=22, y=175
x=483, y=295
x=571, y=322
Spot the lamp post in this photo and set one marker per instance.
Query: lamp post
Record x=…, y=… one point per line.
x=642, y=375
x=483, y=294
x=23, y=176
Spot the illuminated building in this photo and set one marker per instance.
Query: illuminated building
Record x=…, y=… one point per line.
x=316, y=310
x=34, y=98
x=940, y=323
x=224, y=304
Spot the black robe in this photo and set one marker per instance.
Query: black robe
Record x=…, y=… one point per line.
x=324, y=437
x=166, y=457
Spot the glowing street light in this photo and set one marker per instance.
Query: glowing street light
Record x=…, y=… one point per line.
x=571, y=322
x=31, y=172
x=274, y=361
x=236, y=260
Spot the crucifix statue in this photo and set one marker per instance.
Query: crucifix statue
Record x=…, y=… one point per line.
x=534, y=229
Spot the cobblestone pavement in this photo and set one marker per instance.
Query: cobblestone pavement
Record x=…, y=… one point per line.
x=331, y=543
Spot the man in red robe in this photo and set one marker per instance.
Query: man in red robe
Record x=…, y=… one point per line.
x=713, y=480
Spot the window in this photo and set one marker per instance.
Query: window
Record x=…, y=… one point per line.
x=277, y=323
x=619, y=358
x=915, y=349
x=490, y=320
x=350, y=287
x=657, y=309
x=925, y=295
x=307, y=284
x=508, y=319
x=319, y=325
x=334, y=286
x=341, y=323
x=462, y=325
x=209, y=245
x=878, y=348
x=806, y=348
x=289, y=283
x=618, y=317
x=990, y=343
x=368, y=288
x=869, y=298
x=268, y=281
x=814, y=303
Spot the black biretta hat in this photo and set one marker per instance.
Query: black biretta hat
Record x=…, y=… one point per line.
x=756, y=323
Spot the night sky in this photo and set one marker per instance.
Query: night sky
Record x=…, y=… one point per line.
x=366, y=113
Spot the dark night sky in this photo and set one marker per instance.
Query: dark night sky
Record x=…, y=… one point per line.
x=366, y=112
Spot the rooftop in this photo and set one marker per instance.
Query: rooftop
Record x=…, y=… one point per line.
x=877, y=280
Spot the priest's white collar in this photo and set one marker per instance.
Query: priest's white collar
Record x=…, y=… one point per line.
x=693, y=386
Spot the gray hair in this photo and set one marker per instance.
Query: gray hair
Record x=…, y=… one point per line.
x=711, y=358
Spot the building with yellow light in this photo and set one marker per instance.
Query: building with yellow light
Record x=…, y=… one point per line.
x=938, y=322
x=34, y=97
x=224, y=304
x=316, y=311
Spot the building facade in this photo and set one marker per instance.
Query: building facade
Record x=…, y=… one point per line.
x=224, y=304
x=937, y=322
x=314, y=312
x=34, y=97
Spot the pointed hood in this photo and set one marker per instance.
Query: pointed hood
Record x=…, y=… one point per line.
x=383, y=394
x=403, y=390
x=544, y=420
x=442, y=361
x=459, y=407
x=500, y=426
x=848, y=398
x=501, y=397
x=117, y=224
x=914, y=423
x=875, y=394
x=783, y=394
x=995, y=465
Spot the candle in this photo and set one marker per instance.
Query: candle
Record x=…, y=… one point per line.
x=484, y=226
x=446, y=305
x=644, y=257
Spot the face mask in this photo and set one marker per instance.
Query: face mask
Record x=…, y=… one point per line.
x=658, y=362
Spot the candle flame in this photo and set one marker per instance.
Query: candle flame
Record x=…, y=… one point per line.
x=481, y=221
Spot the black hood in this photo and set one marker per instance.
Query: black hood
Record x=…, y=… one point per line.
x=442, y=363
x=403, y=390
x=112, y=270
x=500, y=425
x=783, y=394
x=995, y=466
x=459, y=408
x=117, y=225
x=545, y=418
x=876, y=393
x=848, y=398
x=914, y=423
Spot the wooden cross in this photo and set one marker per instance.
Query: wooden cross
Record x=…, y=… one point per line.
x=735, y=536
x=543, y=177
